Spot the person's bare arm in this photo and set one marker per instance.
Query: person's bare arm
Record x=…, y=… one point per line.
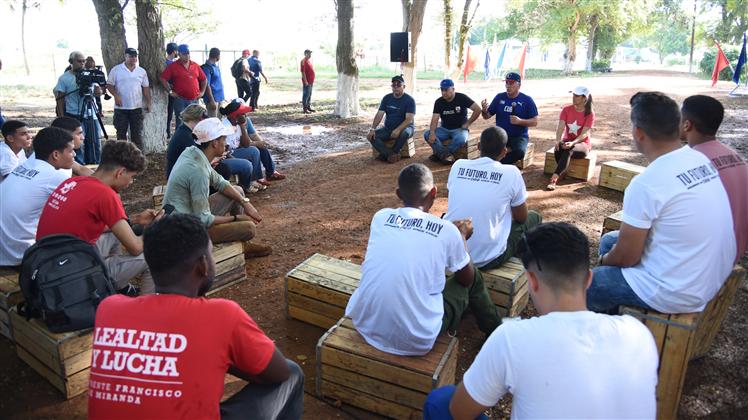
x=165, y=85
x=147, y=101
x=560, y=131
x=113, y=90
x=465, y=275
x=123, y=232
x=377, y=119
x=519, y=213
x=463, y=406
x=474, y=116
x=249, y=209
x=244, y=139
x=484, y=110
x=409, y=116
x=264, y=77
x=432, y=128
x=81, y=170
x=275, y=372
x=303, y=74
x=203, y=86
x=628, y=251
x=59, y=103
x=580, y=138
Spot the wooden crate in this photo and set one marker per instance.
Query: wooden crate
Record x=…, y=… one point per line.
x=230, y=265
x=526, y=162
x=408, y=150
x=353, y=372
x=617, y=175
x=468, y=151
x=716, y=312
x=507, y=286
x=158, y=196
x=10, y=295
x=318, y=289
x=578, y=168
x=62, y=359
x=612, y=222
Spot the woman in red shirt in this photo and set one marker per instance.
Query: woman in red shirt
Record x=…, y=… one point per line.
x=574, y=125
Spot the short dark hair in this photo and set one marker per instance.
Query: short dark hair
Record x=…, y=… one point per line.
x=116, y=153
x=49, y=139
x=705, y=112
x=66, y=123
x=171, y=47
x=561, y=251
x=214, y=52
x=9, y=127
x=171, y=244
x=493, y=142
x=414, y=182
x=656, y=114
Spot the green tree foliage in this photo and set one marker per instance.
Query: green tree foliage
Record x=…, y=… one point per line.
x=183, y=20
x=667, y=31
x=706, y=65
x=733, y=20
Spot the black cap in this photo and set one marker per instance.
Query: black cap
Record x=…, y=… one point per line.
x=131, y=51
x=307, y=51
x=171, y=47
x=398, y=78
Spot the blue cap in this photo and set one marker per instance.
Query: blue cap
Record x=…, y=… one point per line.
x=183, y=49
x=513, y=76
x=446, y=83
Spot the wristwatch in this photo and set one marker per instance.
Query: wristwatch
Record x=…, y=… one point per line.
x=245, y=200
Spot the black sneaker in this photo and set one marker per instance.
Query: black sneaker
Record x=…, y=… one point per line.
x=129, y=290
x=434, y=158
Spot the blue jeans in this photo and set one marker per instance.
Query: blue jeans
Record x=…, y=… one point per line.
x=179, y=106
x=459, y=138
x=436, y=406
x=518, y=146
x=259, y=158
x=609, y=288
x=306, y=96
x=382, y=134
x=241, y=167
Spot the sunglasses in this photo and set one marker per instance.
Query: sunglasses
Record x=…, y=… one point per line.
x=397, y=84
x=530, y=255
x=509, y=82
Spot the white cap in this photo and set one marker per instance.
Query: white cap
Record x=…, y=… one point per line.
x=210, y=129
x=581, y=91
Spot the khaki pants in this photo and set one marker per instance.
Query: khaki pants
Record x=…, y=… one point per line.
x=122, y=266
x=220, y=205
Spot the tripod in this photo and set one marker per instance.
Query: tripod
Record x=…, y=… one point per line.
x=89, y=116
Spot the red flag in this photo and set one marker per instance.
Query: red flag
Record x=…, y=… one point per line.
x=522, y=62
x=470, y=62
x=719, y=64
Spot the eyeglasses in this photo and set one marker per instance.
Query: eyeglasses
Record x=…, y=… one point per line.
x=509, y=82
x=397, y=84
x=530, y=255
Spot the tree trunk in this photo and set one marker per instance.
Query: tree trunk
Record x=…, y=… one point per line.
x=591, y=42
x=24, y=7
x=571, y=46
x=447, y=35
x=465, y=25
x=151, y=55
x=346, y=104
x=112, y=31
x=413, y=12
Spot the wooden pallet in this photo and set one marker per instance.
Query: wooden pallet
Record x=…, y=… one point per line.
x=716, y=312
x=507, y=286
x=526, y=162
x=10, y=295
x=578, y=168
x=158, y=196
x=408, y=150
x=62, y=359
x=230, y=265
x=468, y=151
x=318, y=289
x=351, y=371
x=617, y=175
x=612, y=222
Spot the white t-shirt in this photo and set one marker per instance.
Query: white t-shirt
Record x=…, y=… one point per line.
x=22, y=197
x=9, y=160
x=129, y=85
x=232, y=140
x=571, y=365
x=398, y=307
x=690, y=248
x=485, y=190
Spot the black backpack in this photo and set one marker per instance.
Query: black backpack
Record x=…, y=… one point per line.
x=237, y=69
x=63, y=279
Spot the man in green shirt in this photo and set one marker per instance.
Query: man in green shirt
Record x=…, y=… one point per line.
x=228, y=214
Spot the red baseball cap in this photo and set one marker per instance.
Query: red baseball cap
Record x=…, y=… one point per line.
x=235, y=108
x=245, y=52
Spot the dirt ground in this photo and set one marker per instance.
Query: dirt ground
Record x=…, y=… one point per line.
x=334, y=187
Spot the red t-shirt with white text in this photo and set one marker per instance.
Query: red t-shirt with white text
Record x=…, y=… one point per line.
x=575, y=122
x=166, y=356
x=184, y=81
x=83, y=207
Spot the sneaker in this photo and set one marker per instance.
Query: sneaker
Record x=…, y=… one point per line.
x=256, y=187
x=393, y=158
x=254, y=250
x=310, y=110
x=276, y=176
x=434, y=158
x=550, y=187
x=129, y=290
x=448, y=159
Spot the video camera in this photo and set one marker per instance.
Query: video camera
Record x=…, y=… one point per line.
x=85, y=78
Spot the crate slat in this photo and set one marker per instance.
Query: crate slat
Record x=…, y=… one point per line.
x=408, y=150
x=617, y=175
x=578, y=168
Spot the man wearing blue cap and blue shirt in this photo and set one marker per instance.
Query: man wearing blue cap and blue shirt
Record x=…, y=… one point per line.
x=184, y=80
x=515, y=112
x=452, y=108
x=400, y=110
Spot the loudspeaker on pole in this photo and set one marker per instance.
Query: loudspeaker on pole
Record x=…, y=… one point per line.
x=400, y=47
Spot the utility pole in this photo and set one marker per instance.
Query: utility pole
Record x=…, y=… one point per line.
x=693, y=35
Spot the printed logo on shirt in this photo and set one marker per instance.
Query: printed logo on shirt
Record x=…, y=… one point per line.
x=25, y=172
x=697, y=176
x=727, y=161
x=68, y=186
x=416, y=224
x=476, y=175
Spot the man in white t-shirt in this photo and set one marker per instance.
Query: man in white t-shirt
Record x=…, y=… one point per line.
x=128, y=83
x=17, y=138
x=404, y=300
x=568, y=362
x=26, y=190
x=676, y=245
x=493, y=195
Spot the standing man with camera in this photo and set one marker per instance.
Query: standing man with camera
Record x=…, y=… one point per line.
x=128, y=83
x=188, y=81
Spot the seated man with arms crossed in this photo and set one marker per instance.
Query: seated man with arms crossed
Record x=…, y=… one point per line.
x=25, y=191
x=404, y=300
x=180, y=373
x=86, y=206
x=566, y=363
x=227, y=214
x=676, y=245
x=494, y=196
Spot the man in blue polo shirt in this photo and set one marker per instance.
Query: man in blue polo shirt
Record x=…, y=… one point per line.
x=255, y=68
x=400, y=109
x=515, y=112
x=214, y=92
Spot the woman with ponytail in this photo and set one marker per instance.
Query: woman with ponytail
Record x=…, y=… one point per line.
x=574, y=127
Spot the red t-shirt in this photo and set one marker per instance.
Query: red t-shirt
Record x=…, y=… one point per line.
x=83, y=207
x=575, y=121
x=308, y=70
x=184, y=81
x=166, y=356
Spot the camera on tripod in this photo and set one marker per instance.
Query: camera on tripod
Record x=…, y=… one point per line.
x=86, y=78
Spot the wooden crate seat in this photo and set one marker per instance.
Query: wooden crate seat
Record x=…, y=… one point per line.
x=617, y=175
x=578, y=168
x=526, y=162
x=612, y=222
x=62, y=359
x=10, y=295
x=318, y=289
x=508, y=288
x=408, y=150
x=351, y=371
x=469, y=150
x=230, y=265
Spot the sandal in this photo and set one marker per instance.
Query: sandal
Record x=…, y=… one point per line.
x=264, y=182
x=550, y=187
x=276, y=176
